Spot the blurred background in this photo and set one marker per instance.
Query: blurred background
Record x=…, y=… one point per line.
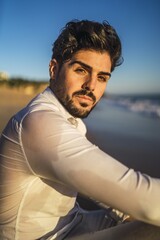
x=126, y=123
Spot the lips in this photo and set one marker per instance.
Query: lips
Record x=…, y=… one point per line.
x=84, y=97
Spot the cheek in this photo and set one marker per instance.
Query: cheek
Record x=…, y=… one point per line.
x=72, y=86
x=69, y=90
x=69, y=82
x=64, y=84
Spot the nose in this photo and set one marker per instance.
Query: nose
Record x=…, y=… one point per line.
x=90, y=83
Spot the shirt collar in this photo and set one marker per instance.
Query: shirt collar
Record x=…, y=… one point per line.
x=77, y=122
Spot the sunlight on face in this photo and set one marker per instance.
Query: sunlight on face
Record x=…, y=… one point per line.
x=81, y=81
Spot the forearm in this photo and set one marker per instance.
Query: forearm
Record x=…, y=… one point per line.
x=113, y=184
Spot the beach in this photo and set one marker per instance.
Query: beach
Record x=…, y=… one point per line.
x=130, y=137
x=12, y=99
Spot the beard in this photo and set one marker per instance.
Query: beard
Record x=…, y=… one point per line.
x=68, y=103
x=75, y=111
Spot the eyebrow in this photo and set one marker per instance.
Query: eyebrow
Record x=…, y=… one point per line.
x=88, y=67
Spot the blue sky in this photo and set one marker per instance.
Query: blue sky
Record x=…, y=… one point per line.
x=29, y=27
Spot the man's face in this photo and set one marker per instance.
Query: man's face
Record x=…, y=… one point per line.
x=80, y=82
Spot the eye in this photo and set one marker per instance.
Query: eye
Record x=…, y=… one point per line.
x=103, y=78
x=80, y=70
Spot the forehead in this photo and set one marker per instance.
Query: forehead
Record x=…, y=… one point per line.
x=99, y=61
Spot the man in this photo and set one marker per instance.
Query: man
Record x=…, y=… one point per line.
x=45, y=158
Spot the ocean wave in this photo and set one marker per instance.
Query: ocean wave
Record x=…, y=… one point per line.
x=150, y=106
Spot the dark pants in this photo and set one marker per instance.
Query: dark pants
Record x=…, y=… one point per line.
x=88, y=222
x=96, y=226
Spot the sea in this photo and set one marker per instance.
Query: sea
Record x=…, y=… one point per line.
x=127, y=127
x=145, y=104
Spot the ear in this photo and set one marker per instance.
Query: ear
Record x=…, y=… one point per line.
x=53, y=67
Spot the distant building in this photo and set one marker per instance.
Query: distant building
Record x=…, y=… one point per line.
x=3, y=76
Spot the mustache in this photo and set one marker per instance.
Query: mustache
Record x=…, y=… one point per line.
x=85, y=93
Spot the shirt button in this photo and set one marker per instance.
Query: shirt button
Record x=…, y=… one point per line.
x=73, y=121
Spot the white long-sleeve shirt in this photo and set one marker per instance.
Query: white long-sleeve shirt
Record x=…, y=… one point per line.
x=45, y=159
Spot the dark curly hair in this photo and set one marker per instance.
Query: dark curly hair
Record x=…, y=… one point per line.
x=90, y=35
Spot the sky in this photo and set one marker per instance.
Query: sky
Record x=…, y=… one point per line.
x=29, y=27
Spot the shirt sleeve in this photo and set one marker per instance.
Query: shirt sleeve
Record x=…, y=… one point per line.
x=57, y=151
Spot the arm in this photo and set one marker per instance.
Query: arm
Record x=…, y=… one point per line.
x=60, y=153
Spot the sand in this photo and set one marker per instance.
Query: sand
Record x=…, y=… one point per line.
x=13, y=99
